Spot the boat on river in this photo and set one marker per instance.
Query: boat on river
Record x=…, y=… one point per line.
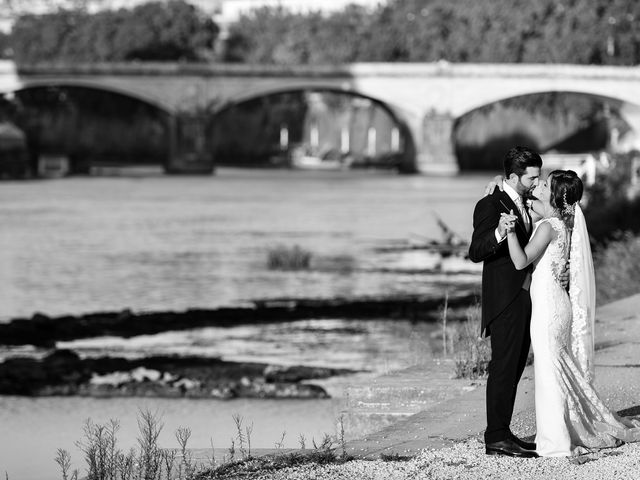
x=302, y=158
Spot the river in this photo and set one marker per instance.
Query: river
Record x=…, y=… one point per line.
x=151, y=242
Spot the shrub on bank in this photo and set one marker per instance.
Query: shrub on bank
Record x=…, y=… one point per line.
x=282, y=257
x=613, y=217
x=612, y=202
x=617, y=269
x=471, y=351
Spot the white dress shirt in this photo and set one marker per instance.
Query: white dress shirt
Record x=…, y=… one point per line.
x=517, y=199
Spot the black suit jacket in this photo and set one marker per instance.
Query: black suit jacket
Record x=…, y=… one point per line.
x=501, y=282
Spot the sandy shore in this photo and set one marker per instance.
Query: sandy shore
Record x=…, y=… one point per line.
x=467, y=461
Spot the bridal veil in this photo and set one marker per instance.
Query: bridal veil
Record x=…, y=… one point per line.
x=582, y=292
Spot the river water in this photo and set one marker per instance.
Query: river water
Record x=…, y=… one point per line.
x=152, y=242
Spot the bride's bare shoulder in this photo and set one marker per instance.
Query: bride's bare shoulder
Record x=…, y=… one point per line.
x=545, y=229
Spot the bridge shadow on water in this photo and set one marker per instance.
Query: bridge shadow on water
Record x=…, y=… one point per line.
x=489, y=155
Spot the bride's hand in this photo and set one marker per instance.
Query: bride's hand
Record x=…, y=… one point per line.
x=563, y=277
x=491, y=186
x=506, y=224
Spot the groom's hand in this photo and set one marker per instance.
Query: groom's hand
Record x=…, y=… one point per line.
x=563, y=277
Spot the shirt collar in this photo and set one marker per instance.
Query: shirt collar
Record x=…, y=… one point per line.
x=508, y=189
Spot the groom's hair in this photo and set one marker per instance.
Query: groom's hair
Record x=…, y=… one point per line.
x=518, y=159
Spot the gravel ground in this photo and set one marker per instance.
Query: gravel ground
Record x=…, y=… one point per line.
x=467, y=460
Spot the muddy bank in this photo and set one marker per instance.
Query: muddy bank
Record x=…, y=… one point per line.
x=43, y=331
x=63, y=372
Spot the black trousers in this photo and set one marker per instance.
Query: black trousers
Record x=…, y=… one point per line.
x=510, y=341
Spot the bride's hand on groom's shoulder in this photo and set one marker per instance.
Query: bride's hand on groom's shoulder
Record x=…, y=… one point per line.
x=491, y=186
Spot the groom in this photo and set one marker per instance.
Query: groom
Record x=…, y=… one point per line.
x=506, y=305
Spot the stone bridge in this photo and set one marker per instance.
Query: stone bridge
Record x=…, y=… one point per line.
x=424, y=99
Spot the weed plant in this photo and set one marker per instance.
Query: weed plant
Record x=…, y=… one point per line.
x=462, y=339
x=292, y=258
x=106, y=461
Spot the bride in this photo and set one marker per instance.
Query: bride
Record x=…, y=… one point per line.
x=571, y=419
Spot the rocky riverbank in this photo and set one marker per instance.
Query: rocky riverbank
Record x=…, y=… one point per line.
x=43, y=331
x=63, y=372
x=36, y=363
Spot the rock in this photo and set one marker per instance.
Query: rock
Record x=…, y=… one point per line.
x=63, y=372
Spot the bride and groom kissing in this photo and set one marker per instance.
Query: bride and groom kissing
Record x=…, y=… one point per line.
x=527, y=233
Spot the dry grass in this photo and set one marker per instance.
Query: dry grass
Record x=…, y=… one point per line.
x=462, y=340
x=105, y=461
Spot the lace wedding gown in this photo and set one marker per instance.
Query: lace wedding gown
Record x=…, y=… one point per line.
x=571, y=419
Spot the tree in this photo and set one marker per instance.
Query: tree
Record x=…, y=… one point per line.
x=160, y=31
x=171, y=30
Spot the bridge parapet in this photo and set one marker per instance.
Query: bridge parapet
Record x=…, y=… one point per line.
x=427, y=97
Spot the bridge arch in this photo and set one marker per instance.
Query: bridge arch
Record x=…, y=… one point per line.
x=91, y=124
x=406, y=153
x=613, y=122
x=99, y=86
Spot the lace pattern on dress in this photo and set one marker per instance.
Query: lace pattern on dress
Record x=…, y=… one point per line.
x=556, y=255
x=591, y=424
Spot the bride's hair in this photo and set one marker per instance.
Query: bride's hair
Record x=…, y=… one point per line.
x=566, y=190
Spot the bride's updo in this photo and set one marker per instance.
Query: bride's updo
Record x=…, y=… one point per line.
x=566, y=190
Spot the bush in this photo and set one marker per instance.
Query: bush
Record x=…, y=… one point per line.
x=611, y=208
x=617, y=269
x=282, y=257
x=472, y=352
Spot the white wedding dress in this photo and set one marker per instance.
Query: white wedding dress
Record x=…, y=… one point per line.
x=571, y=419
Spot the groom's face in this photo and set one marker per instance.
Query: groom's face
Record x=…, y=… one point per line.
x=528, y=181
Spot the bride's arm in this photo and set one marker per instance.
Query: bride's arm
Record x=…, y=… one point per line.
x=536, y=246
x=495, y=182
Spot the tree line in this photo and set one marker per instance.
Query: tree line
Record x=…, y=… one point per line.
x=154, y=31
x=601, y=32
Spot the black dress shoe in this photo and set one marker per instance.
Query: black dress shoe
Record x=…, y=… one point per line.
x=510, y=448
x=523, y=444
